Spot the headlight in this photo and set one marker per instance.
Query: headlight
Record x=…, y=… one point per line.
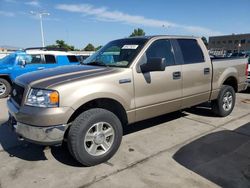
x=42, y=98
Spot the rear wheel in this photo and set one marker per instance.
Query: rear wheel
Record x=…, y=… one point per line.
x=225, y=102
x=94, y=136
x=5, y=88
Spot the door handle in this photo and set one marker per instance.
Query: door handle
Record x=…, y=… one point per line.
x=41, y=68
x=206, y=70
x=176, y=75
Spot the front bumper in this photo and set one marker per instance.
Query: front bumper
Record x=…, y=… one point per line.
x=45, y=126
x=52, y=135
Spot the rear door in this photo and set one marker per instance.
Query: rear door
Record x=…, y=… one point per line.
x=159, y=92
x=196, y=72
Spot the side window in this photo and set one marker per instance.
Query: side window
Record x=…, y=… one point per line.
x=191, y=51
x=31, y=59
x=161, y=49
x=50, y=59
x=72, y=58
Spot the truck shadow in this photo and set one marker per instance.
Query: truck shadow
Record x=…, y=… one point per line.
x=16, y=148
x=31, y=152
x=222, y=157
x=246, y=91
x=203, y=109
x=62, y=154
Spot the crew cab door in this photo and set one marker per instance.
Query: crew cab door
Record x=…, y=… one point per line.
x=196, y=72
x=157, y=92
x=32, y=63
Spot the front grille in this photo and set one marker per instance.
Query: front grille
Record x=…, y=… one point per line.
x=17, y=93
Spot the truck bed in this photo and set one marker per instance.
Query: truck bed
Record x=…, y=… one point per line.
x=224, y=67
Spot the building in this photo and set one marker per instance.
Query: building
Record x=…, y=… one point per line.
x=230, y=43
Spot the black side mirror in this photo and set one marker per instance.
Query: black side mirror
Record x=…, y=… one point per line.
x=154, y=64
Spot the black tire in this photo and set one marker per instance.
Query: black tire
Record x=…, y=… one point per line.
x=81, y=126
x=217, y=105
x=7, y=87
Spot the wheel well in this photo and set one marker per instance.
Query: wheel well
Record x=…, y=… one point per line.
x=105, y=103
x=6, y=77
x=231, y=81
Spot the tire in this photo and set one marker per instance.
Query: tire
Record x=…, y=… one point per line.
x=5, y=88
x=221, y=106
x=88, y=139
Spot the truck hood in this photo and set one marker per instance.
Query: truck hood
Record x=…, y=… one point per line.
x=53, y=76
x=3, y=66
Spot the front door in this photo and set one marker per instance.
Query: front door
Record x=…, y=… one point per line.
x=33, y=62
x=157, y=93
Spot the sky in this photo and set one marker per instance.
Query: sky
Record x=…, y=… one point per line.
x=99, y=21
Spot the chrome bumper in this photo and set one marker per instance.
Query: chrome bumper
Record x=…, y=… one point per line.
x=53, y=135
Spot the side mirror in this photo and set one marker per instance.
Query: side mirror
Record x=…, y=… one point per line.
x=154, y=64
x=22, y=62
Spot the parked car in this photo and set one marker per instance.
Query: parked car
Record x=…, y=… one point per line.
x=247, y=55
x=29, y=60
x=81, y=58
x=127, y=81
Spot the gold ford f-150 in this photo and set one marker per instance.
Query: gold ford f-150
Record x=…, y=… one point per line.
x=126, y=81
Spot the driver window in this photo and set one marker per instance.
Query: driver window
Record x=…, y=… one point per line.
x=159, y=49
x=32, y=59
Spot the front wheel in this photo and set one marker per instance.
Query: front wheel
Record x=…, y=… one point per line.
x=225, y=102
x=5, y=88
x=94, y=136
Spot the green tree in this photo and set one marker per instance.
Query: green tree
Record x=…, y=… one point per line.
x=137, y=32
x=204, y=39
x=62, y=44
x=98, y=47
x=89, y=47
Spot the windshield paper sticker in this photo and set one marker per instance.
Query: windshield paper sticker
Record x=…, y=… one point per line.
x=130, y=46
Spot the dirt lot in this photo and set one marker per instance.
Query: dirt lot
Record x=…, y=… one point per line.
x=191, y=148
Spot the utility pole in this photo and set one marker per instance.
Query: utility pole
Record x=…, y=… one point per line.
x=41, y=14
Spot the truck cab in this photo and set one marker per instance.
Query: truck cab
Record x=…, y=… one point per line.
x=29, y=60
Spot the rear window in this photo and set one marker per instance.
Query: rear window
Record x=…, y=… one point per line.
x=191, y=51
x=50, y=59
x=72, y=59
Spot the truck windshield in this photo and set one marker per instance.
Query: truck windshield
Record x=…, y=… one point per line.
x=8, y=60
x=118, y=53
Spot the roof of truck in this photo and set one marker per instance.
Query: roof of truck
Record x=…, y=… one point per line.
x=48, y=52
x=164, y=36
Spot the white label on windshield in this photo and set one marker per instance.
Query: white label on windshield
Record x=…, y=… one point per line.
x=130, y=46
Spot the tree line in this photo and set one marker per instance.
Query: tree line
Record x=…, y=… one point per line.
x=90, y=47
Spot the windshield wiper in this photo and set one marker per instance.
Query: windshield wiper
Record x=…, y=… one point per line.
x=98, y=63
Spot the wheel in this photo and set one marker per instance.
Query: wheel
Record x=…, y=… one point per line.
x=94, y=136
x=225, y=102
x=5, y=88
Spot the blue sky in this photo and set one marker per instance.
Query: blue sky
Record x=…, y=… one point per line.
x=99, y=21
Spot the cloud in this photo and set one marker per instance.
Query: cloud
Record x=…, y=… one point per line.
x=10, y=1
x=33, y=3
x=104, y=14
x=6, y=14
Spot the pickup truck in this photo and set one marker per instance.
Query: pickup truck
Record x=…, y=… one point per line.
x=126, y=81
x=32, y=59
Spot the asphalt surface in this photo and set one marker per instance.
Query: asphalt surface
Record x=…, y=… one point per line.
x=192, y=148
